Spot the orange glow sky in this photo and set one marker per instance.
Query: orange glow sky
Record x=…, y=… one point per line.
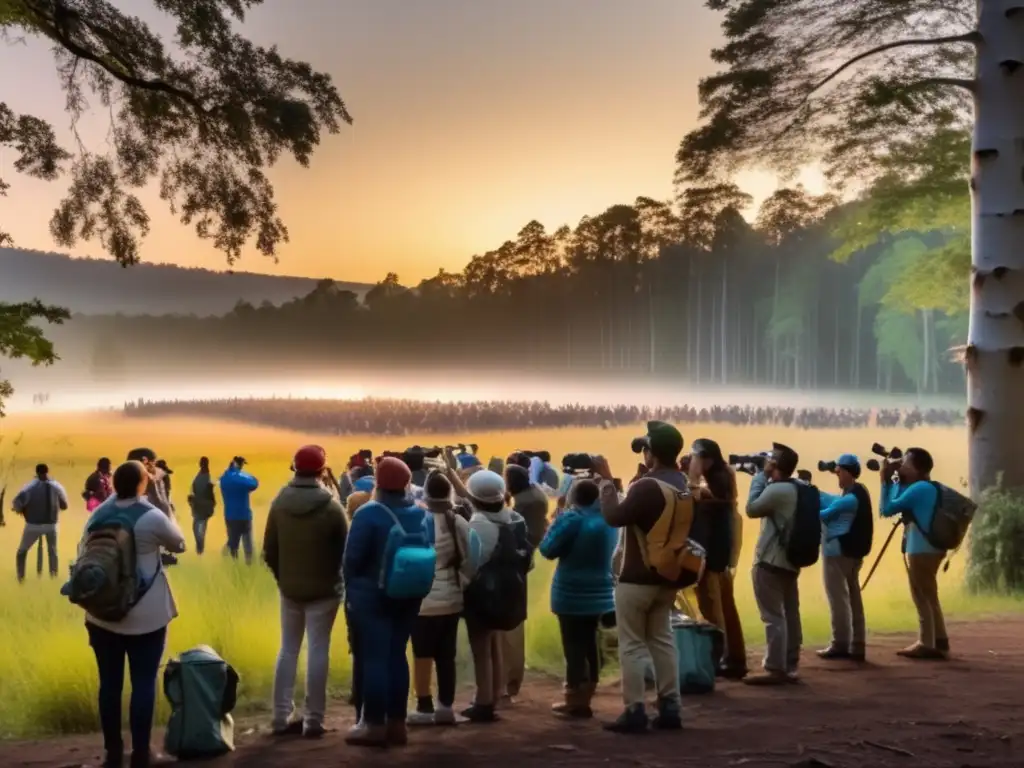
x=472, y=118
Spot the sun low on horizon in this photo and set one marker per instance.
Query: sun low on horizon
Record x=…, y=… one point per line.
x=471, y=119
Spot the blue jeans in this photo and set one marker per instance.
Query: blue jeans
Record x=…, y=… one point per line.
x=240, y=531
x=144, y=653
x=381, y=629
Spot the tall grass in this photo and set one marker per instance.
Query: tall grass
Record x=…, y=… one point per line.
x=47, y=673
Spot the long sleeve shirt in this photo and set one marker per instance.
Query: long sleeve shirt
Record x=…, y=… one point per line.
x=919, y=499
x=837, y=516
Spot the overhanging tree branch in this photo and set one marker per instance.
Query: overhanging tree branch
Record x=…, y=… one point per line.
x=967, y=37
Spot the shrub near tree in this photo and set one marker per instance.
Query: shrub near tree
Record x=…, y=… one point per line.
x=203, y=116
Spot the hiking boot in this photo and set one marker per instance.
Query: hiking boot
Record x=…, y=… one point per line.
x=114, y=758
x=293, y=728
x=397, y=734
x=858, y=653
x=767, y=678
x=731, y=672
x=444, y=716
x=480, y=713
x=576, y=705
x=632, y=720
x=668, y=718
x=834, y=653
x=942, y=646
x=366, y=735
x=920, y=651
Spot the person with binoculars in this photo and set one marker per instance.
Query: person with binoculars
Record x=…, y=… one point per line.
x=907, y=490
x=846, y=541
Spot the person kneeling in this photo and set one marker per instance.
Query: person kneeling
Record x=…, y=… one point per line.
x=582, y=591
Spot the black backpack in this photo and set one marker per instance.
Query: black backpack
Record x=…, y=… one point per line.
x=856, y=543
x=496, y=598
x=802, y=539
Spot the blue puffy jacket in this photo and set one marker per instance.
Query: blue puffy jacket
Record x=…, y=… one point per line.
x=235, y=487
x=583, y=543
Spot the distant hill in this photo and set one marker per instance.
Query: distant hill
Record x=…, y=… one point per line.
x=96, y=286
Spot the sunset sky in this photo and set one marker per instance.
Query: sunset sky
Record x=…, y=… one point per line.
x=472, y=117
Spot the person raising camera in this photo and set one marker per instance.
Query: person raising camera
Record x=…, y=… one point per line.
x=773, y=500
x=915, y=497
x=713, y=483
x=846, y=540
x=643, y=601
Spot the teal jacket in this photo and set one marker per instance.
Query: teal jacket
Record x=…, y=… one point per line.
x=919, y=499
x=837, y=514
x=583, y=544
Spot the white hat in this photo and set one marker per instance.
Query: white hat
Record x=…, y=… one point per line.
x=486, y=487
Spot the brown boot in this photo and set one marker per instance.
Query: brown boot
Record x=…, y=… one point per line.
x=576, y=704
x=364, y=735
x=920, y=651
x=397, y=734
x=767, y=678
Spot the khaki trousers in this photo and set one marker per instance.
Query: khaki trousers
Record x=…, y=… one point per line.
x=643, y=617
x=924, y=589
x=488, y=669
x=513, y=651
x=717, y=602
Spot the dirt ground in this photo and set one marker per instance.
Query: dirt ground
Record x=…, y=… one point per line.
x=964, y=713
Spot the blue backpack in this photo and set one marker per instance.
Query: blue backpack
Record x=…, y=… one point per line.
x=407, y=572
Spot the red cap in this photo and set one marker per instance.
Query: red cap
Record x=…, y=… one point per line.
x=393, y=474
x=310, y=459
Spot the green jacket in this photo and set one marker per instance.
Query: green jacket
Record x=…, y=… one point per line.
x=202, y=499
x=304, y=541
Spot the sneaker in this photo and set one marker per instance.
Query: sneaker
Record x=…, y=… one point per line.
x=507, y=701
x=313, y=731
x=480, y=713
x=834, y=653
x=416, y=719
x=293, y=728
x=767, y=678
x=444, y=716
x=632, y=720
x=365, y=735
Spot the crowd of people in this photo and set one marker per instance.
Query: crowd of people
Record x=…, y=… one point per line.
x=402, y=417
x=409, y=546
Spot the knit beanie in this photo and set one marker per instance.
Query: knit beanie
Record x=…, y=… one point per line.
x=437, y=488
x=393, y=475
x=486, y=487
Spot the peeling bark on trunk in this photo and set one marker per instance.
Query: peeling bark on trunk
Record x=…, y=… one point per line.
x=995, y=339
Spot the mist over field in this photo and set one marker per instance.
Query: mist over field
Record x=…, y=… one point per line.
x=69, y=389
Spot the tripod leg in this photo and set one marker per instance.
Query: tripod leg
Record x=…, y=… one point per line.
x=881, y=554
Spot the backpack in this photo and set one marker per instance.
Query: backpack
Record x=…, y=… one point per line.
x=496, y=598
x=407, y=572
x=104, y=579
x=856, y=543
x=667, y=549
x=803, y=538
x=954, y=513
x=202, y=690
x=698, y=651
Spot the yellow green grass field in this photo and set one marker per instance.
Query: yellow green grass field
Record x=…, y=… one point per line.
x=47, y=677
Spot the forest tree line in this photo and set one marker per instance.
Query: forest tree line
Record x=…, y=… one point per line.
x=692, y=290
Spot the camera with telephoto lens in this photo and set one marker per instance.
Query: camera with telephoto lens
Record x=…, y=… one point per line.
x=638, y=444
x=892, y=457
x=544, y=456
x=827, y=466
x=415, y=456
x=579, y=464
x=470, y=448
x=749, y=463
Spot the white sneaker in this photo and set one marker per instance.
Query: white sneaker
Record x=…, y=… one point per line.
x=421, y=718
x=444, y=716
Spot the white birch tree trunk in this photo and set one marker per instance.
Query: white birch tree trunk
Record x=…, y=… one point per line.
x=995, y=339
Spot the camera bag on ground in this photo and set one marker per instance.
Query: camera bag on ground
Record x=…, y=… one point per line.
x=698, y=651
x=201, y=688
x=802, y=539
x=104, y=579
x=496, y=598
x=667, y=548
x=954, y=513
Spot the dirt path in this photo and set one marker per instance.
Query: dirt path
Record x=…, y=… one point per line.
x=959, y=714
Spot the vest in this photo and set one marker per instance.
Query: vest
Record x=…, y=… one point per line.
x=856, y=543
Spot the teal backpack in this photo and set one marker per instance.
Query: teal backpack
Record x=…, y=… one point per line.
x=698, y=650
x=407, y=572
x=201, y=688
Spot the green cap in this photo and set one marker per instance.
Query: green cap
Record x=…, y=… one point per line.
x=666, y=441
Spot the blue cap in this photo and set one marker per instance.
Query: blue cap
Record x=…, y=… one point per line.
x=467, y=460
x=849, y=462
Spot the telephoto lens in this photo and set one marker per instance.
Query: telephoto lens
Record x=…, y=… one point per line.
x=826, y=466
x=873, y=465
x=638, y=444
